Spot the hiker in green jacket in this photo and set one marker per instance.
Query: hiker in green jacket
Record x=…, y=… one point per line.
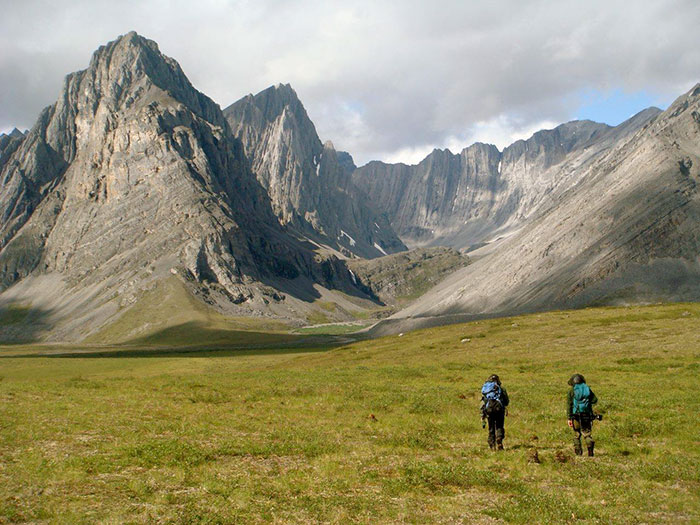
x=580, y=401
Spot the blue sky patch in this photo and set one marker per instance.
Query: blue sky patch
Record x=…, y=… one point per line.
x=615, y=106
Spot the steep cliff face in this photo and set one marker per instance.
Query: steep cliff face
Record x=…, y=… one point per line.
x=628, y=231
x=113, y=151
x=8, y=144
x=309, y=183
x=443, y=194
x=481, y=193
x=133, y=175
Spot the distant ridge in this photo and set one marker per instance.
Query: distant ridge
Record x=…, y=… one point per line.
x=464, y=200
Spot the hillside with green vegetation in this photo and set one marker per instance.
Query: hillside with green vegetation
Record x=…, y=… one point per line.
x=383, y=430
x=168, y=314
x=400, y=278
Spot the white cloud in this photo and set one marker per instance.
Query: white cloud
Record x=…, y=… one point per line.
x=504, y=130
x=410, y=155
x=387, y=79
x=500, y=131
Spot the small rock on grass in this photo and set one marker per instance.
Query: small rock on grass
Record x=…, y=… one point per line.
x=533, y=456
x=561, y=456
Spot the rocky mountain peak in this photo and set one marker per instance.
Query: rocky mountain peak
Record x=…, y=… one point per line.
x=134, y=54
x=9, y=144
x=275, y=100
x=97, y=156
x=552, y=144
x=647, y=114
x=128, y=68
x=481, y=149
x=346, y=162
x=307, y=181
x=688, y=101
x=16, y=134
x=276, y=111
x=618, y=222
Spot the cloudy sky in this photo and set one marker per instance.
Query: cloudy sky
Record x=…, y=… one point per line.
x=386, y=80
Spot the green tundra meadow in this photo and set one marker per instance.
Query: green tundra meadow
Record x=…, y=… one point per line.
x=313, y=429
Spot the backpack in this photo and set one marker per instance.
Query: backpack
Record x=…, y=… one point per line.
x=582, y=402
x=491, y=394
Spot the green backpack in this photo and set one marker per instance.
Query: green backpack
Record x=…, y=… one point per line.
x=582, y=401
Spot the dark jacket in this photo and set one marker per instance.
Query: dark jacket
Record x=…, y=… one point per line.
x=570, y=403
x=504, y=397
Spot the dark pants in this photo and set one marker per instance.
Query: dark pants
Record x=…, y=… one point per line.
x=496, y=430
x=583, y=426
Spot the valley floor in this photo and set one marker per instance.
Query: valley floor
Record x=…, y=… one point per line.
x=383, y=430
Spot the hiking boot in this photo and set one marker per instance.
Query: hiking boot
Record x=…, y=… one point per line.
x=590, y=451
x=500, y=446
x=578, y=451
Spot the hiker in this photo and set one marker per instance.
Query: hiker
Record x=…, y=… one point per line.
x=494, y=400
x=580, y=401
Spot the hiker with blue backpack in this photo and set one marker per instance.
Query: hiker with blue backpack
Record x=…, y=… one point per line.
x=494, y=400
x=580, y=401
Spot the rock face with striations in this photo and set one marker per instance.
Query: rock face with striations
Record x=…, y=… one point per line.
x=133, y=175
x=628, y=231
x=8, y=144
x=471, y=198
x=309, y=183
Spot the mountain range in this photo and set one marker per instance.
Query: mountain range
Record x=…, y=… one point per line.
x=466, y=199
x=625, y=230
x=134, y=178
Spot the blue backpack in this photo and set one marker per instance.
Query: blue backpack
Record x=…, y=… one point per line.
x=491, y=394
x=582, y=400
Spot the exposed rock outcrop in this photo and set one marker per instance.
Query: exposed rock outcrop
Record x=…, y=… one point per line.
x=8, y=144
x=133, y=177
x=309, y=183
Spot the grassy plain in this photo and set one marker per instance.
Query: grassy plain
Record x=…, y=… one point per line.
x=383, y=430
